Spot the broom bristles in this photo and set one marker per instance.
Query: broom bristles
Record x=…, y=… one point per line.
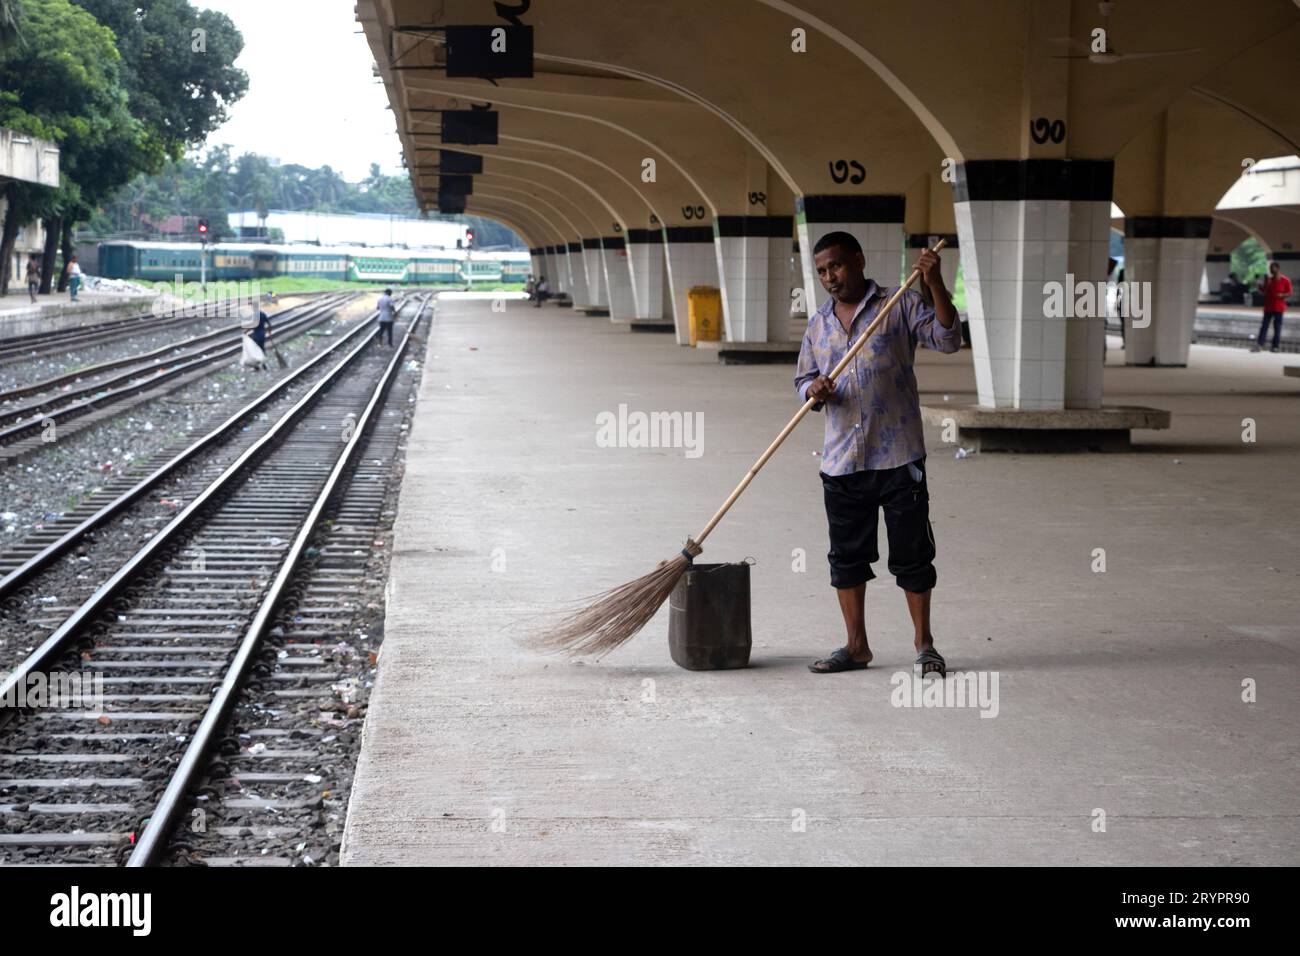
x=614, y=617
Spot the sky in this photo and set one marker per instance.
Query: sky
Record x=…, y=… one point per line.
x=312, y=98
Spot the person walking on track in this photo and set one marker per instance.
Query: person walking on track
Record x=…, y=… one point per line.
x=874, y=454
x=385, y=307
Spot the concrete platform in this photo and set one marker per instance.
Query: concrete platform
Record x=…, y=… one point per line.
x=1119, y=691
x=18, y=316
x=752, y=353
x=1108, y=428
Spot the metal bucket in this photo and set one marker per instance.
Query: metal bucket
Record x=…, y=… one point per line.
x=708, y=618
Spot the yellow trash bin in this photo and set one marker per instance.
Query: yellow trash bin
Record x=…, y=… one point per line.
x=704, y=308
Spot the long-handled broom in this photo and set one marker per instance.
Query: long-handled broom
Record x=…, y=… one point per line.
x=616, y=615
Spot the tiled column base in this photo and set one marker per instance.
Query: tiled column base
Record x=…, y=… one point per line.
x=1168, y=252
x=876, y=221
x=551, y=268
x=645, y=256
x=592, y=256
x=753, y=265
x=1217, y=267
x=692, y=261
x=1031, y=233
x=577, y=274
x=618, y=278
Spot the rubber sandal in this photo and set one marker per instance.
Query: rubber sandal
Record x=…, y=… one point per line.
x=931, y=663
x=840, y=660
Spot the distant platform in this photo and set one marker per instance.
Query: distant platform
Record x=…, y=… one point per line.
x=18, y=316
x=1108, y=428
x=752, y=353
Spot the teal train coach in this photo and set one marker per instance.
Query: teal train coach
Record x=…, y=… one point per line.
x=164, y=261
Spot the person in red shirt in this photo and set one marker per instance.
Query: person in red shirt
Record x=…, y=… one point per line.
x=1276, y=287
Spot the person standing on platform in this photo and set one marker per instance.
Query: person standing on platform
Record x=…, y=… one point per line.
x=1276, y=287
x=385, y=307
x=874, y=455
x=33, y=278
x=74, y=279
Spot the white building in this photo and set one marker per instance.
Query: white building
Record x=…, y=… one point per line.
x=32, y=160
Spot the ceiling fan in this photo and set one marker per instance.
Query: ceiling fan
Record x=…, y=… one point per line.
x=1108, y=53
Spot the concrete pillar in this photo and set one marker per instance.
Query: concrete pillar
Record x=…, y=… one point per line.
x=548, y=265
x=563, y=277
x=645, y=258
x=1217, y=267
x=692, y=260
x=537, y=255
x=578, y=275
x=754, y=266
x=876, y=221
x=597, y=294
x=1166, y=254
x=618, y=277
x=949, y=258
x=1031, y=232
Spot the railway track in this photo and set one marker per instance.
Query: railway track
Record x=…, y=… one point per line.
x=102, y=390
x=17, y=348
x=172, y=638
x=172, y=351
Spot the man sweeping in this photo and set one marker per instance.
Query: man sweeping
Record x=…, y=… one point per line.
x=874, y=455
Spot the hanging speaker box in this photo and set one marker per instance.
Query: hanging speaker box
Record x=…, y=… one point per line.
x=455, y=185
x=470, y=127
x=491, y=52
x=451, y=203
x=452, y=161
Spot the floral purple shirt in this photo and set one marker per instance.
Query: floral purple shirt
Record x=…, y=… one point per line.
x=873, y=419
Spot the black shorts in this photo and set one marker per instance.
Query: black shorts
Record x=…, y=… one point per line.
x=852, y=505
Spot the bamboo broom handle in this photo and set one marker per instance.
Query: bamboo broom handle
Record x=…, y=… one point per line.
x=798, y=416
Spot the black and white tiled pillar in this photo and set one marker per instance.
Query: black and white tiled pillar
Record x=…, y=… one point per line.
x=1217, y=267
x=1031, y=233
x=645, y=257
x=577, y=274
x=618, y=277
x=876, y=221
x=949, y=256
x=1166, y=254
x=551, y=267
x=754, y=268
x=593, y=258
x=692, y=261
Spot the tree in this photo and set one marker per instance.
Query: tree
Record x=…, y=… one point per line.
x=10, y=22
x=62, y=83
x=177, y=67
